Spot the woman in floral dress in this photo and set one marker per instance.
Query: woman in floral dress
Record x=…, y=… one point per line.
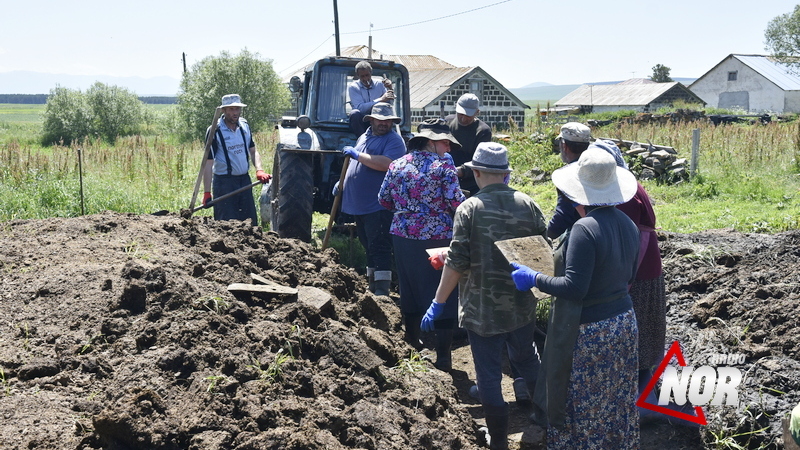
x=422, y=190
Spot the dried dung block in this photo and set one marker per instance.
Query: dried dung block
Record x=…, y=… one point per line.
x=532, y=251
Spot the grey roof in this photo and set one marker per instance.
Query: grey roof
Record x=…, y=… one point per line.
x=621, y=94
x=776, y=72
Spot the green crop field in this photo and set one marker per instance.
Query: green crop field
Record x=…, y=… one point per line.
x=12, y=113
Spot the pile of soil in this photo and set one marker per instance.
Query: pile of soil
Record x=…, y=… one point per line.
x=120, y=332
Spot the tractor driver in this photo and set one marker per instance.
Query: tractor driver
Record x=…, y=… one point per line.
x=364, y=93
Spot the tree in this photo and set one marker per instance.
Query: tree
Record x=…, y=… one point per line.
x=116, y=111
x=202, y=88
x=105, y=111
x=782, y=38
x=660, y=74
x=67, y=116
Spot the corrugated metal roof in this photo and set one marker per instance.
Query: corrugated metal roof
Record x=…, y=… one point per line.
x=776, y=72
x=616, y=94
x=427, y=85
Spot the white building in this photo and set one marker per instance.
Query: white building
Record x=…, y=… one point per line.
x=753, y=83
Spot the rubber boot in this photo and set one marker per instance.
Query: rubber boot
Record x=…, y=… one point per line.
x=383, y=282
x=444, y=342
x=413, y=331
x=497, y=425
x=371, y=279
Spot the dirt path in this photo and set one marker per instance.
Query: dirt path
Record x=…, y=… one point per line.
x=118, y=331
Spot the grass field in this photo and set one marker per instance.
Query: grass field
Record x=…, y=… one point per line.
x=747, y=179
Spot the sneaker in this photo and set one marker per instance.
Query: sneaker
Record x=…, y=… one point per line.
x=521, y=391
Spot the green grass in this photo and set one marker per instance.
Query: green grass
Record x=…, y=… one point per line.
x=747, y=176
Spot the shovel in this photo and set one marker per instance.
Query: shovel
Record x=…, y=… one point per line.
x=336, y=202
x=186, y=213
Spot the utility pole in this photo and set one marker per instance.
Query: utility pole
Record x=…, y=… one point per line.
x=184, y=61
x=336, y=26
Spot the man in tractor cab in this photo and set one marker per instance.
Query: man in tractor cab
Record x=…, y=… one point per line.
x=364, y=94
x=232, y=149
x=374, y=151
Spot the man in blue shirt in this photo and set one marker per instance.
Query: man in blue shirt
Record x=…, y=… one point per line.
x=232, y=149
x=364, y=94
x=374, y=151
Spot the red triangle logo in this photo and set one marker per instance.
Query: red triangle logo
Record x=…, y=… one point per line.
x=674, y=350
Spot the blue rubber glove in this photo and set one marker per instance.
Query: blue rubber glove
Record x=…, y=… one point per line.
x=351, y=152
x=335, y=189
x=524, y=277
x=434, y=311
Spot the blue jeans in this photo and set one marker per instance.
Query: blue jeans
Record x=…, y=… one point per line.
x=487, y=355
x=373, y=233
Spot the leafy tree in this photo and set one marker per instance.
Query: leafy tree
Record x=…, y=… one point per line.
x=782, y=37
x=660, y=74
x=202, y=88
x=116, y=111
x=67, y=116
x=105, y=111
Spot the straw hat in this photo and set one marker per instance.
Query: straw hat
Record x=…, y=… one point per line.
x=595, y=180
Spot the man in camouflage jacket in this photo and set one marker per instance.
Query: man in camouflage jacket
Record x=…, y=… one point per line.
x=495, y=314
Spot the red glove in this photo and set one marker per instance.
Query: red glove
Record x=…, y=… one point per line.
x=206, y=197
x=437, y=261
x=263, y=176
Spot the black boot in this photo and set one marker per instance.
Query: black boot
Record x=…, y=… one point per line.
x=497, y=423
x=444, y=342
x=412, y=331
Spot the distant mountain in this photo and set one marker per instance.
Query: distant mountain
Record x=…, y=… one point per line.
x=23, y=82
x=537, y=84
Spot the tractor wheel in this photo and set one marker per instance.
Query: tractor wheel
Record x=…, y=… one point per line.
x=292, y=195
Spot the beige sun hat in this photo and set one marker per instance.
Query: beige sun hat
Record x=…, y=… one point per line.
x=232, y=100
x=595, y=180
x=490, y=157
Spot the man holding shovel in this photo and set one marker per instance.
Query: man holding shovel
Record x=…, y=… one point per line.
x=232, y=149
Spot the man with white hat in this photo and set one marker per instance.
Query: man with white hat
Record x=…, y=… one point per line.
x=374, y=151
x=495, y=314
x=232, y=149
x=469, y=131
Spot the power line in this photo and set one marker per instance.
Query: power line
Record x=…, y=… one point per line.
x=430, y=20
x=395, y=27
x=309, y=53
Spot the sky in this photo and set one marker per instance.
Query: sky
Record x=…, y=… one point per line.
x=518, y=42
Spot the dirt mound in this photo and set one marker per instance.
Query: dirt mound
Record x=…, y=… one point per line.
x=119, y=331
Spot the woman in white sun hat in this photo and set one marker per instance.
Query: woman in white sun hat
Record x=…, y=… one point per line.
x=586, y=390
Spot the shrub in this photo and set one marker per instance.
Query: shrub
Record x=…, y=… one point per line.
x=202, y=88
